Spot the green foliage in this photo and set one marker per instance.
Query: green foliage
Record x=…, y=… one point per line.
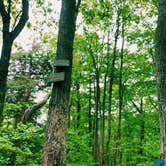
x=25, y=143
x=78, y=151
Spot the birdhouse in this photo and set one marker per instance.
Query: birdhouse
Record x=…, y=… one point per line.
x=56, y=77
x=59, y=76
x=62, y=63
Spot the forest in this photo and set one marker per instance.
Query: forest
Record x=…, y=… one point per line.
x=83, y=83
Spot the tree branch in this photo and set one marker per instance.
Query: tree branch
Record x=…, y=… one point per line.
x=2, y=9
x=136, y=107
x=9, y=6
x=77, y=6
x=15, y=21
x=23, y=19
x=155, y=106
x=30, y=110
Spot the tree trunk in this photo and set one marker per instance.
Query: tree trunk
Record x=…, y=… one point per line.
x=102, y=114
x=102, y=122
x=142, y=128
x=95, y=122
x=118, y=139
x=55, y=145
x=111, y=81
x=78, y=106
x=161, y=73
x=89, y=111
x=97, y=106
x=142, y=125
x=4, y=65
x=90, y=119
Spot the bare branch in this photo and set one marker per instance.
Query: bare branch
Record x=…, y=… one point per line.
x=23, y=19
x=15, y=21
x=30, y=110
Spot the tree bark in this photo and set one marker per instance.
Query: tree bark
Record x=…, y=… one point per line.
x=161, y=73
x=55, y=145
x=4, y=65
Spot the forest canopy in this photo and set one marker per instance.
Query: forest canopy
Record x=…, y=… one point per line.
x=93, y=63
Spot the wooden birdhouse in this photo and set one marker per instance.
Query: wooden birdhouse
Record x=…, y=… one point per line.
x=62, y=63
x=59, y=76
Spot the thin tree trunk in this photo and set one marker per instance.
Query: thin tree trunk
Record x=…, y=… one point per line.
x=142, y=125
x=102, y=116
x=102, y=123
x=89, y=110
x=55, y=145
x=118, y=139
x=111, y=76
x=97, y=106
x=161, y=73
x=90, y=119
x=142, y=128
x=78, y=106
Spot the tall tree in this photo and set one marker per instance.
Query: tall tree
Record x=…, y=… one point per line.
x=103, y=104
x=55, y=146
x=111, y=81
x=118, y=138
x=161, y=73
x=97, y=105
x=9, y=34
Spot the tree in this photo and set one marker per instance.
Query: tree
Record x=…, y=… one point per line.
x=161, y=73
x=55, y=146
x=9, y=33
x=111, y=81
x=117, y=158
